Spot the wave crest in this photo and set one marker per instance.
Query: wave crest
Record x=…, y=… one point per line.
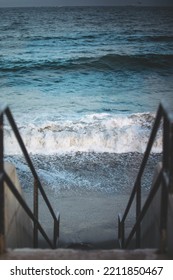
x=97, y=132
x=105, y=62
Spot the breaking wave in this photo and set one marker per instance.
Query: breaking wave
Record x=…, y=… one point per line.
x=97, y=132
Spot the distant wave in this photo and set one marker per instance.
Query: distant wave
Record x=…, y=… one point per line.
x=90, y=37
x=97, y=132
x=106, y=62
x=152, y=38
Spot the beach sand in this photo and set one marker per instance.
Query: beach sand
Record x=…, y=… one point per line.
x=86, y=222
x=89, y=191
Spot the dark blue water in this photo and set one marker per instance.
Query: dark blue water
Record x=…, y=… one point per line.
x=78, y=61
x=75, y=77
x=85, y=80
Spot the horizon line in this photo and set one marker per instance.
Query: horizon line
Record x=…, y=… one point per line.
x=82, y=6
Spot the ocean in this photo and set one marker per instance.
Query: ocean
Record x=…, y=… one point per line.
x=84, y=84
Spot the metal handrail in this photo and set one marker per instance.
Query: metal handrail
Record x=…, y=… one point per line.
x=37, y=186
x=165, y=176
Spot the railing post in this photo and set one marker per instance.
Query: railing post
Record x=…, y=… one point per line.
x=56, y=231
x=138, y=211
x=171, y=159
x=165, y=182
x=121, y=231
x=35, y=203
x=166, y=144
x=163, y=218
x=2, y=203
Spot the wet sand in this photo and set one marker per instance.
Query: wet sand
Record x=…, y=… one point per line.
x=86, y=222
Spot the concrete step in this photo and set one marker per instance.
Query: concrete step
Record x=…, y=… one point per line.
x=72, y=254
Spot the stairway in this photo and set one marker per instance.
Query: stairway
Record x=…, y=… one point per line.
x=71, y=254
x=158, y=206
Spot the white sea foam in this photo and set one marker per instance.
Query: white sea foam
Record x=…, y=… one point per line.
x=96, y=132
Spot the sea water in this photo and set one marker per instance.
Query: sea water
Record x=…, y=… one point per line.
x=85, y=79
x=84, y=85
